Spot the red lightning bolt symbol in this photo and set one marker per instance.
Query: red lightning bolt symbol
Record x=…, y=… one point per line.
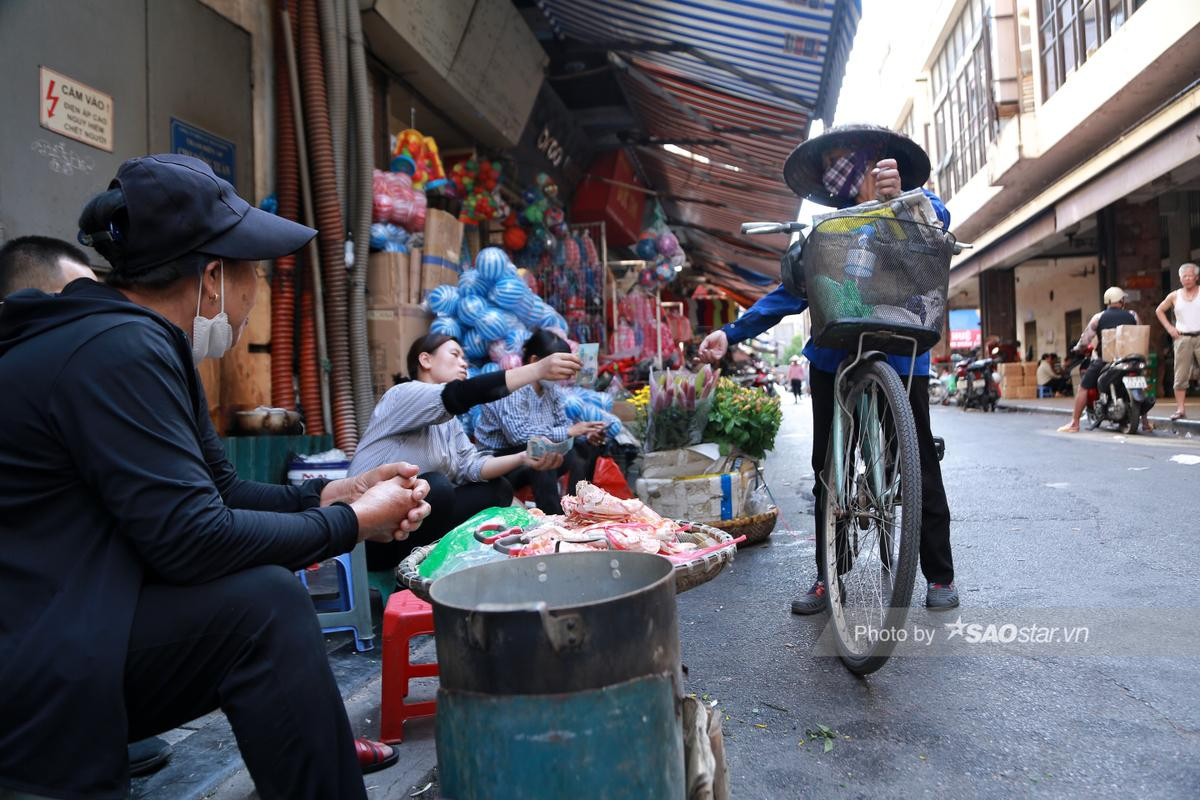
x=50, y=96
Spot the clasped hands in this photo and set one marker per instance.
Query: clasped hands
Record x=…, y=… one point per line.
x=389, y=501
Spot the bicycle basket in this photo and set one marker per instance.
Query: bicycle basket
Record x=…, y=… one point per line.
x=881, y=276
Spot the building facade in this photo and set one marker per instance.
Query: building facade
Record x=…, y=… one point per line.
x=1065, y=140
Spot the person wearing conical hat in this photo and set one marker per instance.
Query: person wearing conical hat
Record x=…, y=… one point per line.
x=845, y=166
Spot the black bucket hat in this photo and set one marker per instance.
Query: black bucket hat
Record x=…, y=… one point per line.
x=804, y=169
x=177, y=206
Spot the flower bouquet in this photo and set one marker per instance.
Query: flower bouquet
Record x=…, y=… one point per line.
x=679, y=406
x=743, y=419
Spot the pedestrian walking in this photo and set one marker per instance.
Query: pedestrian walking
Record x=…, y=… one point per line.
x=1185, y=302
x=795, y=376
x=845, y=166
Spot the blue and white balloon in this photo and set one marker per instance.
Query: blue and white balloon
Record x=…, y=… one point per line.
x=514, y=340
x=470, y=309
x=491, y=325
x=529, y=309
x=474, y=345
x=508, y=293
x=446, y=326
x=443, y=300
x=470, y=282
x=492, y=265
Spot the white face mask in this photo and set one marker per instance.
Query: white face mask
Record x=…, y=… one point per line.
x=211, y=338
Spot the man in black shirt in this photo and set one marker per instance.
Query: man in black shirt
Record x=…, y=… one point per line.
x=143, y=583
x=1114, y=314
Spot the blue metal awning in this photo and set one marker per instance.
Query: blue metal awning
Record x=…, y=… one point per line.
x=724, y=89
x=792, y=53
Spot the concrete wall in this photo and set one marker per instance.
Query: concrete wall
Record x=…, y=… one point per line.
x=1046, y=289
x=255, y=17
x=195, y=67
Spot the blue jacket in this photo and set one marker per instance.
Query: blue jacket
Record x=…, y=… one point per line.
x=767, y=312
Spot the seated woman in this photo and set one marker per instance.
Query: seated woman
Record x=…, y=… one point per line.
x=538, y=410
x=416, y=420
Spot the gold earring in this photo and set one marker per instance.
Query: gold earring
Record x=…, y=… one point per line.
x=214, y=297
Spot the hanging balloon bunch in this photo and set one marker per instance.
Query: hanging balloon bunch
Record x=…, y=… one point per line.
x=544, y=221
x=491, y=311
x=397, y=201
x=660, y=246
x=477, y=181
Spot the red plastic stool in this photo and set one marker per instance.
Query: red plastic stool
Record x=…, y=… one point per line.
x=406, y=616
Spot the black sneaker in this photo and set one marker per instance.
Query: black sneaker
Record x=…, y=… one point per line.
x=148, y=755
x=941, y=597
x=812, y=603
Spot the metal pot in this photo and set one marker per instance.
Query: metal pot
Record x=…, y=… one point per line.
x=556, y=624
x=271, y=421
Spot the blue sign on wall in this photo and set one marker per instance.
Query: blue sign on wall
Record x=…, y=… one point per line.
x=218, y=153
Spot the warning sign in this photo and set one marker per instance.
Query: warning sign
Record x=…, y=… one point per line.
x=75, y=110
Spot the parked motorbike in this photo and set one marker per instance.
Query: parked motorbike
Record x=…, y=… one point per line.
x=1120, y=395
x=758, y=379
x=938, y=391
x=976, y=386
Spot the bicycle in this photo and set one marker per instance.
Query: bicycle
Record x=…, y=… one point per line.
x=876, y=285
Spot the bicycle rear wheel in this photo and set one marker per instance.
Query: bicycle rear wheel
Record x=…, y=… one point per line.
x=873, y=519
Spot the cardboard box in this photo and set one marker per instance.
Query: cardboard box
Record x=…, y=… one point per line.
x=700, y=459
x=387, y=280
x=390, y=333
x=1108, y=343
x=1022, y=393
x=1015, y=379
x=1030, y=369
x=414, y=275
x=1131, y=340
x=624, y=410
x=702, y=498
x=433, y=276
x=1011, y=369
x=443, y=240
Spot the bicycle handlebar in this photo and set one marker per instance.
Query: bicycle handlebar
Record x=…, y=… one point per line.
x=758, y=228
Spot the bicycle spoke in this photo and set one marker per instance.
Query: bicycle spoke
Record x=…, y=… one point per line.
x=869, y=525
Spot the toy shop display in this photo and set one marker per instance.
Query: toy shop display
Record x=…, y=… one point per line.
x=397, y=210
x=491, y=311
x=477, y=182
x=417, y=156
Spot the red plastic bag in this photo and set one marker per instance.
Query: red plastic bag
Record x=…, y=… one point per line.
x=609, y=478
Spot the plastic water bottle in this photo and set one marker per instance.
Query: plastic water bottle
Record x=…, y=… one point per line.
x=860, y=259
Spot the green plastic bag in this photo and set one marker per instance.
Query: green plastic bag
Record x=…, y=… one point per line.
x=461, y=540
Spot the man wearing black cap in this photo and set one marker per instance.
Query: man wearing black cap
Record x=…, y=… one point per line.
x=143, y=584
x=844, y=166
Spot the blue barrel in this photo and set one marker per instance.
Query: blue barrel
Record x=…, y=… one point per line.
x=559, y=677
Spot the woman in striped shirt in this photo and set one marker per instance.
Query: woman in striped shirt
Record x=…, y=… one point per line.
x=538, y=410
x=415, y=421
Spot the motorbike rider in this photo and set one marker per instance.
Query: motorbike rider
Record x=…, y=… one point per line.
x=1113, y=315
x=845, y=166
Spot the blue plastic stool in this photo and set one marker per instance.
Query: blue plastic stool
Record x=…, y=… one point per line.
x=1044, y=391
x=351, y=609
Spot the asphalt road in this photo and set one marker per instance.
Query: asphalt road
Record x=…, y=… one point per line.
x=1094, y=523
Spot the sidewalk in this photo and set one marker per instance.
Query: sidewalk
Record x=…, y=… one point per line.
x=1160, y=415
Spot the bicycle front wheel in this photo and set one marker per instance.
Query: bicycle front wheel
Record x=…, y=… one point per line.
x=872, y=517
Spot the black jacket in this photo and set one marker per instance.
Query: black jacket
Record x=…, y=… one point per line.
x=111, y=476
